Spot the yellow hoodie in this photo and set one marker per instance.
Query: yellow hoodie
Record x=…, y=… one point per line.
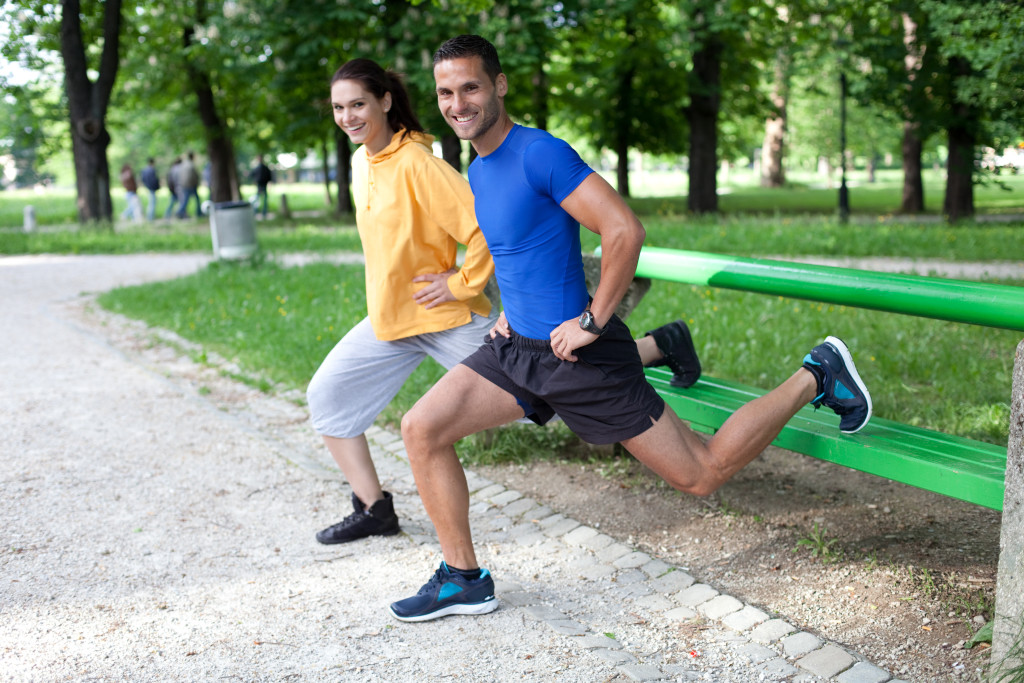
x=413, y=210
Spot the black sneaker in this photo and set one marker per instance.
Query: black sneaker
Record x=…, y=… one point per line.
x=447, y=593
x=379, y=520
x=839, y=385
x=675, y=342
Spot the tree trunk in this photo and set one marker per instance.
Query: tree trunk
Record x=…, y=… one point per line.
x=622, y=131
x=623, y=116
x=622, y=165
x=959, y=200
x=219, y=150
x=328, y=199
x=772, y=150
x=87, y=107
x=343, y=164
x=451, y=150
x=705, y=101
x=913, y=185
x=541, y=91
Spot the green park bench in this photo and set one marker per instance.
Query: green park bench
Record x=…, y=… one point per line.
x=952, y=466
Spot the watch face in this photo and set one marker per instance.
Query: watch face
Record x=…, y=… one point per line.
x=588, y=324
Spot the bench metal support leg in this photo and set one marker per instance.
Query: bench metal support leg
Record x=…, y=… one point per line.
x=1008, y=633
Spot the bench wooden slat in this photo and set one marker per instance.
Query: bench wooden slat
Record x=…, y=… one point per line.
x=953, y=466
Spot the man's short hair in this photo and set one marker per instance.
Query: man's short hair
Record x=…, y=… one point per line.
x=468, y=45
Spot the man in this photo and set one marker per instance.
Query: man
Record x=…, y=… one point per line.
x=151, y=181
x=188, y=186
x=133, y=210
x=172, y=185
x=553, y=350
x=262, y=176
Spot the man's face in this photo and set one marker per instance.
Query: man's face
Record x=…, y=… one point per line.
x=468, y=100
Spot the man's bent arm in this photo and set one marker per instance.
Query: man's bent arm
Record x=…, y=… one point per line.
x=600, y=209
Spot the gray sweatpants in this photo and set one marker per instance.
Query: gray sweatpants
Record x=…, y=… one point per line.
x=361, y=374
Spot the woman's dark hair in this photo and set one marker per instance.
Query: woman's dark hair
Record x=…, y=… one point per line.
x=468, y=45
x=379, y=81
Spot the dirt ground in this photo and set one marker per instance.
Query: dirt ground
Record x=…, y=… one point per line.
x=902, y=575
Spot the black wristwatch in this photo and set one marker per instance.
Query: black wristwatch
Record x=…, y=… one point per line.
x=587, y=323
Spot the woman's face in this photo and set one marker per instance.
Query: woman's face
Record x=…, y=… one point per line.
x=361, y=115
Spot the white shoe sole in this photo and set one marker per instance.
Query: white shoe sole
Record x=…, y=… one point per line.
x=844, y=351
x=458, y=608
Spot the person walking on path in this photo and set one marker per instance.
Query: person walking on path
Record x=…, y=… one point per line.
x=133, y=210
x=188, y=186
x=172, y=185
x=151, y=181
x=412, y=211
x=262, y=176
x=556, y=350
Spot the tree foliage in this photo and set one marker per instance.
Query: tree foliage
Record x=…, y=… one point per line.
x=695, y=78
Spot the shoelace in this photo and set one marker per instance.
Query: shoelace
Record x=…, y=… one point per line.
x=347, y=522
x=435, y=580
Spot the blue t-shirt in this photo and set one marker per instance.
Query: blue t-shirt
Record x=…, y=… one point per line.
x=517, y=190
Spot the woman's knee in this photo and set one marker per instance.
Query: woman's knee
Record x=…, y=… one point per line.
x=318, y=395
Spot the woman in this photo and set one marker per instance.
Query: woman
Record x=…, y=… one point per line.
x=412, y=212
x=133, y=210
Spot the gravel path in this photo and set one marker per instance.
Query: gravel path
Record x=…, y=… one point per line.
x=158, y=524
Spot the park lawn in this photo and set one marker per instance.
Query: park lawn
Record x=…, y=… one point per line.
x=55, y=206
x=278, y=323
x=308, y=234
x=654, y=193
x=740, y=235
x=751, y=235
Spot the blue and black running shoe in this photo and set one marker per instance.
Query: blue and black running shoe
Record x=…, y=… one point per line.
x=839, y=386
x=447, y=593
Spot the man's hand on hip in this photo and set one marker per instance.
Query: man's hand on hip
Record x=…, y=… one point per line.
x=568, y=337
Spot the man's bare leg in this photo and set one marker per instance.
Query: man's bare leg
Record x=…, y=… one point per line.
x=648, y=350
x=674, y=452
x=461, y=403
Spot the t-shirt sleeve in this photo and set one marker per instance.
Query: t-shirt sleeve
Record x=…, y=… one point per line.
x=554, y=168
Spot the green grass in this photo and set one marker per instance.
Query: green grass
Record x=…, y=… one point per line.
x=55, y=207
x=807, y=193
x=750, y=235
x=306, y=234
x=739, y=234
x=655, y=193
x=281, y=322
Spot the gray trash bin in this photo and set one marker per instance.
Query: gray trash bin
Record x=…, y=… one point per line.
x=233, y=230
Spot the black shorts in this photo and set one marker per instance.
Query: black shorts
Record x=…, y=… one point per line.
x=603, y=397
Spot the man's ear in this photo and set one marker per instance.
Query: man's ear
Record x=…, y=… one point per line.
x=501, y=85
